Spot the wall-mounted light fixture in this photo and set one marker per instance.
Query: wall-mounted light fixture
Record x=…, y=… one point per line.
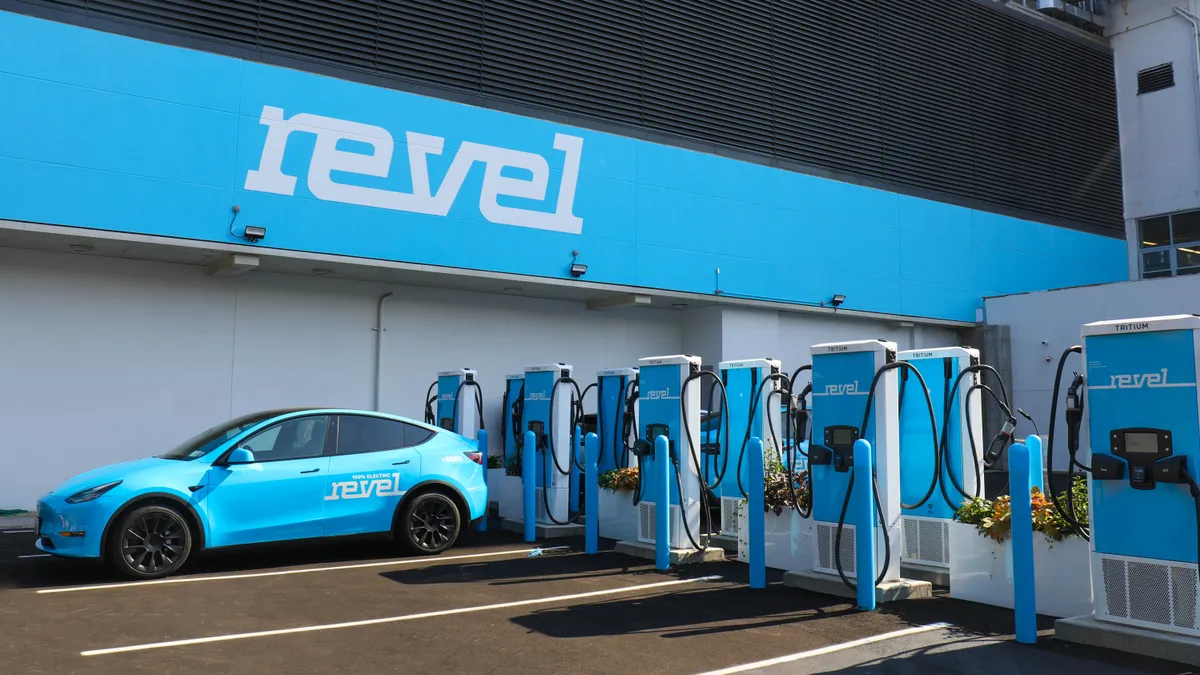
x=577, y=269
x=837, y=300
x=251, y=233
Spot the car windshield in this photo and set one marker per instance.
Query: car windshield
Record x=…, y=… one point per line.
x=207, y=441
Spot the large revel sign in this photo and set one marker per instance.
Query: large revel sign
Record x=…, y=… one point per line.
x=424, y=198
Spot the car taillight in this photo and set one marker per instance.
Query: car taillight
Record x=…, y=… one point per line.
x=475, y=456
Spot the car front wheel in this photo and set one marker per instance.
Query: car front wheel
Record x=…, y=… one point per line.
x=429, y=524
x=150, y=542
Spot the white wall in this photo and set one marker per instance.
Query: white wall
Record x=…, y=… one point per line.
x=1160, y=131
x=1044, y=324
x=104, y=360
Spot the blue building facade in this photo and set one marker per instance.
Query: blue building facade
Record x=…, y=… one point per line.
x=113, y=133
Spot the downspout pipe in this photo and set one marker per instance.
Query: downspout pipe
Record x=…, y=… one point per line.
x=1190, y=16
x=379, y=346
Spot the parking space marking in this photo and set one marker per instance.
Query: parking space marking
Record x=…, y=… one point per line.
x=394, y=619
x=15, y=531
x=826, y=650
x=36, y=555
x=306, y=570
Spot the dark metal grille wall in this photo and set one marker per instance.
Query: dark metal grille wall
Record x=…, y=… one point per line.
x=954, y=98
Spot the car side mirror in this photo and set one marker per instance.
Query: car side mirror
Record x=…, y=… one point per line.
x=240, y=456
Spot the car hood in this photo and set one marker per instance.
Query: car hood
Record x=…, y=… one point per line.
x=108, y=474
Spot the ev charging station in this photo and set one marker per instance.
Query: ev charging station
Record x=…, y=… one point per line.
x=660, y=386
x=612, y=388
x=512, y=433
x=1143, y=417
x=750, y=402
x=926, y=529
x=456, y=412
x=843, y=375
x=548, y=414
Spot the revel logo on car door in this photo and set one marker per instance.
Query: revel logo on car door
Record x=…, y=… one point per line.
x=374, y=466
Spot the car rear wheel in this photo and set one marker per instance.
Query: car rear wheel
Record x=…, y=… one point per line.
x=429, y=524
x=150, y=542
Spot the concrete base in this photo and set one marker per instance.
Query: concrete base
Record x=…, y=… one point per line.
x=727, y=542
x=543, y=530
x=21, y=522
x=679, y=556
x=1087, y=630
x=934, y=575
x=830, y=584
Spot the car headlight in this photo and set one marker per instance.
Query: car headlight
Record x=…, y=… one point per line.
x=92, y=493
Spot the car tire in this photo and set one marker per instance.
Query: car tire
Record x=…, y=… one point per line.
x=150, y=542
x=429, y=524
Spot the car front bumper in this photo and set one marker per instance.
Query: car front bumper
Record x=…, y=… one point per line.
x=70, y=530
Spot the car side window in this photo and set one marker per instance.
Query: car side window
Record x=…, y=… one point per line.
x=299, y=438
x=358, y=435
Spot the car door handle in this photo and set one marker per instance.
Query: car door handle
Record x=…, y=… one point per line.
x=311, y=471
x=399, y=463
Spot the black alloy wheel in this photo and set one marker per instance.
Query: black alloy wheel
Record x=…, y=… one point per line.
x=431, y=523
x=151, y=542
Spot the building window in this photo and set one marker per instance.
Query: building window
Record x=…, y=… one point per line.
x=1170, y=245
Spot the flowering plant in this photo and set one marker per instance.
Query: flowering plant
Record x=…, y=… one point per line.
x=993, y=519
x=777, y=494
x=620, y=480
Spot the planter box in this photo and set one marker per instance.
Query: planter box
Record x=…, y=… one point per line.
x=494, y=478
x=617, y=516
x=789, y=544
x=981, y=571
x=508, y=496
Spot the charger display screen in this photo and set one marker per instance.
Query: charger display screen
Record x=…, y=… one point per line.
x=537, y=427
x=842, y=436
x=1141, y=443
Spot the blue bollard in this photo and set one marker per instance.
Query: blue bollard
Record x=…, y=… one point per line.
x=864, y=527
x=1020, y=463
x=591, y=492
x=662, y=510
x=1034, y=443
x=576, y=453
x=529, y=484
x=756, y=518
x=483, y=448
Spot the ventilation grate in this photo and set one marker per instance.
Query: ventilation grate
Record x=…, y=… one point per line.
x=729, y=515
x=927, y=541
x=826, y=538
x=1150, y=593
x=1156, y=78
x=646, y=515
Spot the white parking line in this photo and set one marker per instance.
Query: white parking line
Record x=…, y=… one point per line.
x=36, y=555
x=392, y=619
x=280, y=573
x=826, y=650
x=15, y=531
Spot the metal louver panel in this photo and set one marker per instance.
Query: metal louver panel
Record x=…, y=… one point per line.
x=578, y=56
x=1156, y=78
x=961, y=100
x=226, y=20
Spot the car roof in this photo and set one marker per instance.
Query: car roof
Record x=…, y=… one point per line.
x=347, y=411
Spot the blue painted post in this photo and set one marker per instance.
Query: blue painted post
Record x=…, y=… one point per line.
x=1024, y=591
x=662, y=507
x=483, y=448
x=591, y=501
x=1034, y=443
x=756, y=518
x=864, y=527
x=529, y=484
x=576, y=453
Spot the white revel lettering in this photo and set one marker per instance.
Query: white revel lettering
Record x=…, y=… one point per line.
x=1139, y=380
x=327, y=158
x=842, y=389
x=382, y=485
